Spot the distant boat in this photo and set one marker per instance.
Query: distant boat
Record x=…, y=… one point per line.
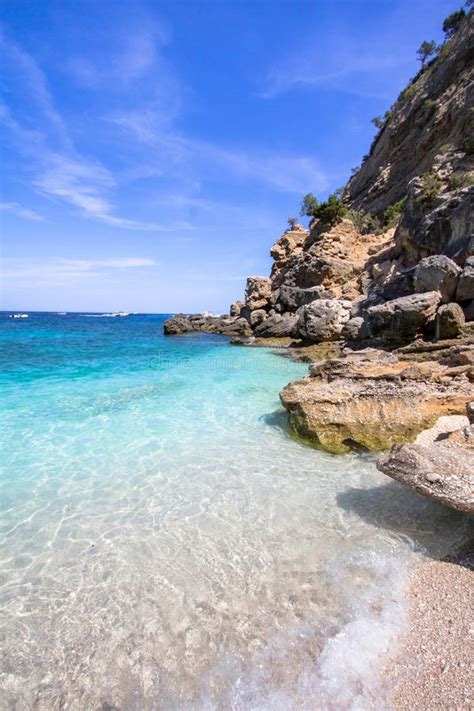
x=62, y=313
x=18, y=315
x=120, y=313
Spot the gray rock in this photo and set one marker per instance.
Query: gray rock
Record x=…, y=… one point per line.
x=354, y=329
x=437, y=273
x=293, y=297
x=257, y=292
x=257, y=316
x=441, y=472
x=323, y=320
x=402, y=318
x=465, y=290
x=180, y=323
x=236, y=308
x=277, y=326
x=449, y=321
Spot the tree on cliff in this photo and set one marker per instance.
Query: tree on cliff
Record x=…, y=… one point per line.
x=292, y=222
x=309, y=206
x=426, y=49
x=452, y=22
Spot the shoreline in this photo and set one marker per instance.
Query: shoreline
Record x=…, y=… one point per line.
x=432, y=668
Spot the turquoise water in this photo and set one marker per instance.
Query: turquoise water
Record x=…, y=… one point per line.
x=166, y=544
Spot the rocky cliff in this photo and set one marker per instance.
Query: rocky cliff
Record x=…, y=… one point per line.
x=393, y=266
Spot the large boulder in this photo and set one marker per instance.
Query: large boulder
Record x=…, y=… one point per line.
x=437, y=273
x=449, y=321
x=441, y=469
x=323, y=320
x=292, y=298
x=465, y=290
x=257, y=292
x=176, y=325
x=276, y=326
x=372, y=400
x=402, y=318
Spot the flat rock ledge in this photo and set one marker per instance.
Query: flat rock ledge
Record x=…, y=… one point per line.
x=442, y=469
x=372, y=400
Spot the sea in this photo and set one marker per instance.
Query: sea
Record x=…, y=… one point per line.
x=166, y=541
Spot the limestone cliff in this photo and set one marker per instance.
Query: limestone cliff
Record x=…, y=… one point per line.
x=432, y=117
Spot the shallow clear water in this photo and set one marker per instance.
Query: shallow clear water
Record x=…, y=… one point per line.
x=166, y=544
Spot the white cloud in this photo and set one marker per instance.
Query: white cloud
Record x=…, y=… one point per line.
x=38, y=272
x=20, y=211
x=291, y=173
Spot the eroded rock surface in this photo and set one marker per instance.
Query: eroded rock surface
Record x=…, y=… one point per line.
x=373, y=400
x=443, y=470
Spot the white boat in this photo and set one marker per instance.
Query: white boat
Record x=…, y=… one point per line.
x=120, y=313
x=18, y=315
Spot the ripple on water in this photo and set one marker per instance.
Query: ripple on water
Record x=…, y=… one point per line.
x=166, y=544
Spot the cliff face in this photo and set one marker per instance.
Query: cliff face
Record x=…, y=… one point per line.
x=432, y=116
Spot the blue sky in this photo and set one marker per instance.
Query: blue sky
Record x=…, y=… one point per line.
x=153, y=151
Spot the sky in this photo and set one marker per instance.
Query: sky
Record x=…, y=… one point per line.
x=153, y=151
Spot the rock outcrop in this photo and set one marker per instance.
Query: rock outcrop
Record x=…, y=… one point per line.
x=440, y=466
x=373, y=400
x=227, y=325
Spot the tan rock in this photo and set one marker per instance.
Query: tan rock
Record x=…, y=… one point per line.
x=366, y=400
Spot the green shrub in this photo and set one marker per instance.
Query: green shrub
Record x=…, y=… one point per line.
x=430, y=187
x=452, y=22
x=426, y=111
x=309, y=205
x=292, y=222
x=461, y=179
x=332, y=211
x=467, y=145
x=378, y=121
x=407, y=94
x=393, y=213
x=426, y=49
x=365, y=222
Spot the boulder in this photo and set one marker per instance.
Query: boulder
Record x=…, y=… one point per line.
x=323, y=320
x=257, y=292
x=468, y=310
x=372, y=400
x=465, y=290
x=276, y=326
x=289, y=243
x=449, y=321
x=257, y=316
x=437, y=273
x=354, y=329
x=443, y=472
x=174, y=326
x=236, y=308
x=293, y=297
x=402, y=318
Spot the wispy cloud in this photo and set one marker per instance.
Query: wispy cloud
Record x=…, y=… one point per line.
x=60, y=171
x=335, y=58
x=281, y=171
x=16, y=209
x=67, y=272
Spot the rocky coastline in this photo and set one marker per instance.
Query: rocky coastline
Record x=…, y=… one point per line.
x=379, y=296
